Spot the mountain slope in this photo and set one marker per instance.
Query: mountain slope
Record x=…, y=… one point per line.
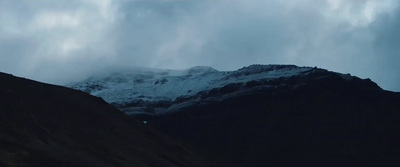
x=320, y=118
x=275, y=115
x=47, y=125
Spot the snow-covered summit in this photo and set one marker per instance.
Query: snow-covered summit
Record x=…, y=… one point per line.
x=154, y=85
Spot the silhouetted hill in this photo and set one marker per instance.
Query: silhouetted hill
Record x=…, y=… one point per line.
x=320, y=118
x=47, y=125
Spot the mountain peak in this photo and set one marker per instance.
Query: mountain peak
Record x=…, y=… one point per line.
x=271, y=70
x=200, y=70
x=261, y=67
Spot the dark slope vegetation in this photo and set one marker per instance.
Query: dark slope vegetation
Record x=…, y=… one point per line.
x=46, y=125
x=318, y=119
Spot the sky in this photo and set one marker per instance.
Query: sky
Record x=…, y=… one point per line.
x=69, y=40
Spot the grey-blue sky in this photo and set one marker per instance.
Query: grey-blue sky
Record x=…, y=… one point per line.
x=61, y=41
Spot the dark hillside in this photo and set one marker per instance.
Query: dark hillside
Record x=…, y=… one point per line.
x=47, y=125
x=321, y=119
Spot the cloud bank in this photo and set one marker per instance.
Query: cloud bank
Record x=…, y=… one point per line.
x=65, y=41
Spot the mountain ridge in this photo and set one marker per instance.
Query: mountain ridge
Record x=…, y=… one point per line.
x=155, y=91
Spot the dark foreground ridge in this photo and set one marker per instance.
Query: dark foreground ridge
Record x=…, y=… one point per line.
x=319, y=118
x=47, y=125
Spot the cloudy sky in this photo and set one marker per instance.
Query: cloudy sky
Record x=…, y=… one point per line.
x=68, y=40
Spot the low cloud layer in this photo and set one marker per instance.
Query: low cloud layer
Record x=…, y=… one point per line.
x=65, y=41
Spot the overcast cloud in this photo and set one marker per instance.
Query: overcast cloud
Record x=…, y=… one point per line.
x=68, y=40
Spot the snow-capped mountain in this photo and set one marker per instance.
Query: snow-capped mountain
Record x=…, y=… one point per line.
x=277, y=115
x=157, y=91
